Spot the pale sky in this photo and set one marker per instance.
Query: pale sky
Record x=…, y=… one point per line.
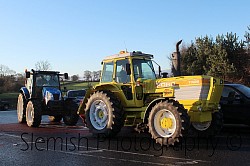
x=75, y=36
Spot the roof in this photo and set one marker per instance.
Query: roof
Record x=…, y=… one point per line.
x=124, y=54
x=232, y=84
x=44, y=72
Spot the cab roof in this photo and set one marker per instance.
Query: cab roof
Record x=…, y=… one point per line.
x=44, y=72
x=124, y=54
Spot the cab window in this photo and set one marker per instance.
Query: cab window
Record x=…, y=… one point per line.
x=107, y=74
x=121, y=74
x=227, y=90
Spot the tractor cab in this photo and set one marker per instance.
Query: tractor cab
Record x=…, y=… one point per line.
x=127, y=67
x=38, y=82
x=127, y=71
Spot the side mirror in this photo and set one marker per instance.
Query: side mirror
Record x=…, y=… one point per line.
x=128, y=70
x=66, y=76
x=27, y=74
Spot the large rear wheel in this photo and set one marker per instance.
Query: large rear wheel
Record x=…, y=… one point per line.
x=21, y=108
x=33, y=113
x=168, y=122
x=104, y=114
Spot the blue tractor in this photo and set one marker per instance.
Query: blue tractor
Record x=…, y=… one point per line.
x=42, y=95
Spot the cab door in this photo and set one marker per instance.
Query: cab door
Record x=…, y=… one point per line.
x=123, y=80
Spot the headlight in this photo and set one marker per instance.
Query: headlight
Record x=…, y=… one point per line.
x=48, y=96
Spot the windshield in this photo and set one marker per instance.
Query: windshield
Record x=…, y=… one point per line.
x=143, y=69
x=47, y=80
x=244, y=89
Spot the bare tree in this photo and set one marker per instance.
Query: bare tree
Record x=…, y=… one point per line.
x=5, y=70
x=96, y=75
x=87, y=75
x=74, y=78
x=247, y=40
x=43, y=65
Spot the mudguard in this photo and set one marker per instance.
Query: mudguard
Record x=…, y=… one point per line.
x=25, y=92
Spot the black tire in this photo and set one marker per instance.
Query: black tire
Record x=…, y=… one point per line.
x=112, y=114
x=33, y=113
x=71, y=118
x=21, y=108
x=215, y=127
x=173, y=122
x=55, y=118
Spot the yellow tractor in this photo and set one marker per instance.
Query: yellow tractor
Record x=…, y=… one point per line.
x=130, y=94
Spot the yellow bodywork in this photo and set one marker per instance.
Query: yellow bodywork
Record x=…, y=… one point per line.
x=200, y=95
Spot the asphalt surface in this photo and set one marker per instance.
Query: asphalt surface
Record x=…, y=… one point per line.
x=58, y=144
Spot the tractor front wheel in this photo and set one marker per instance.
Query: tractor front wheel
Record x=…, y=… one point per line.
x=168, y=122
x=104, y=114
x=33, y=113
x=21, y=109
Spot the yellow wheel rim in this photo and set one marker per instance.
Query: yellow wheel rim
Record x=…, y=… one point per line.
x=166, y=123
x=100, y=114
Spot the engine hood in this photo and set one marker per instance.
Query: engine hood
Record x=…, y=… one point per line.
x=51, y=90
x=50, y=93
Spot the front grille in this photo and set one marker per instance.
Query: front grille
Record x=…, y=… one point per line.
x=192, y=92
x=56, y=96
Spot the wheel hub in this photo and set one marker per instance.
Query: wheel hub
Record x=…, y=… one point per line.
x=100, y=114
x=166, y=123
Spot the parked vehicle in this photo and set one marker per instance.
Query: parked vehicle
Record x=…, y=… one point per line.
x=4, y=105
x=42, y=95
x=235, y=104
x=78, y=95
x=163, y=106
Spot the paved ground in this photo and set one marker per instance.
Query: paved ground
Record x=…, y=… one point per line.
x=58, y=144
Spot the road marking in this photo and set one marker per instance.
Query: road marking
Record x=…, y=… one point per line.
x=86, y=153
x=83, y=153
x=187, y=162
x=90, y=151
x=111, y=158
x=10, y=135
x=59, y=126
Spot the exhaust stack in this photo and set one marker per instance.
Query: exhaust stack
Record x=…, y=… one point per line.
x=176, y=61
